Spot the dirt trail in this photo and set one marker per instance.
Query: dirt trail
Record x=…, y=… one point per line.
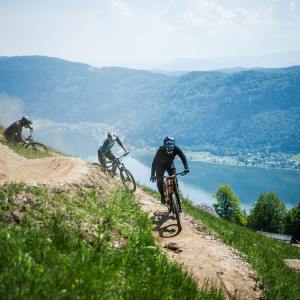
x=50, y=170
x=206, y=258
x=199, y=252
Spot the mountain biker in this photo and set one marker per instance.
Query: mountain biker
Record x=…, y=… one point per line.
x=13, y=133
x=164, y=161
x=105, y=150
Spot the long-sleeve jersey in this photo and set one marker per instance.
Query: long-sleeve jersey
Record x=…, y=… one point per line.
x=107, y=145
x=16, y=129
x=163, y=158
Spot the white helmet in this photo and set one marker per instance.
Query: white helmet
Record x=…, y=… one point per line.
x=112, y=137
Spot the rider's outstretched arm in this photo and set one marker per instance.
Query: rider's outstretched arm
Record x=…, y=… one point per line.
x=121, y=144
x=124, y=148
x=183, y=159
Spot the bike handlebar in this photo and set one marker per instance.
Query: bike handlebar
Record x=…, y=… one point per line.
x=123, y=155
x=174, y=175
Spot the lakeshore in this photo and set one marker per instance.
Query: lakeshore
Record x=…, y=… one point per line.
x=273, y=161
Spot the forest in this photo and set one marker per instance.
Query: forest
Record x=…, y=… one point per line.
x=225, y=113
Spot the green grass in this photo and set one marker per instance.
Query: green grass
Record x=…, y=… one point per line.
x=264, y=254
x=71, y=246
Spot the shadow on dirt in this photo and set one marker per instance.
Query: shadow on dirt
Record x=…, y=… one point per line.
x=166, y=225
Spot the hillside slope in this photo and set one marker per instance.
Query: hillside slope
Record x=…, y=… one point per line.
x=224, y=113
x=205, y=257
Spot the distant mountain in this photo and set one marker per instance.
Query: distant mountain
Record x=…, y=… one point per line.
x=239, y=112
x=224, y=112
x=272, y=60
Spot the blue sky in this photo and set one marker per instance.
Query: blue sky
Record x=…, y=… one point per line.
x=135, y=33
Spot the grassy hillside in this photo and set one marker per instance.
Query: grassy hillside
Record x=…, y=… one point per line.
x=223, y=113
x=57, y=245
x=76, y=242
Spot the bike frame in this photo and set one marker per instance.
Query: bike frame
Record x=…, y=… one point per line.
x=29, y=139
x=171, y=186
x=115, y=164
x=125, y=175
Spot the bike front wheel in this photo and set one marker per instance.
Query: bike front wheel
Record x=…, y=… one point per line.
x=35, y=146
x=175, y=205
x=128, y=179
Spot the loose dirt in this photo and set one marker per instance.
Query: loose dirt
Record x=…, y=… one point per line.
x=50, y=170
x=206, y=258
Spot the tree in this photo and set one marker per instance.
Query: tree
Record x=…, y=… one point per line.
x=292, y=222
x=267, y=214
x=228, y=205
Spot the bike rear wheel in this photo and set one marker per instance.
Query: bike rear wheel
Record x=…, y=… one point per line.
x=128, y=179
x=175, y=205
x=35, y=146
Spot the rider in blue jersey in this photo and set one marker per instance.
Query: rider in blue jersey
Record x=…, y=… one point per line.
x=105, y=150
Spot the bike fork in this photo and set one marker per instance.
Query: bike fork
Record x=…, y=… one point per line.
x=179, y=202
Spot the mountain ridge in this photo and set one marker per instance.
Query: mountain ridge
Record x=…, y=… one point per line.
x=268, y=60
x=223, y=112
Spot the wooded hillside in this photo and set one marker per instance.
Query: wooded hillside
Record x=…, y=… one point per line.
x=225, y=113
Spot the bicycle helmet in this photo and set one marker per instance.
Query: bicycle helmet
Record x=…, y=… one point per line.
x=112, y=137
x=26, y=121
x=169, y=144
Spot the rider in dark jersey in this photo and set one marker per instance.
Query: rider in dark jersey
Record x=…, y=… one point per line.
x=13, y=133
x=164, y=161
x=105, y=150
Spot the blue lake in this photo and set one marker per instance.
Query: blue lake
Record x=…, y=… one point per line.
x=246, y=182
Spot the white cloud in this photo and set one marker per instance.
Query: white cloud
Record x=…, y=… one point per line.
x=216, y=20
x=121, y=9
x=112, y=30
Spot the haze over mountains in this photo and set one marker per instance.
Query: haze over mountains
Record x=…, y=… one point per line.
x=225, y=112
x=271, y=60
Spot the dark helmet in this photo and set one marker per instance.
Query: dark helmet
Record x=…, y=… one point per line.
x=169, y=144
x=112, y=137
x=26, y=121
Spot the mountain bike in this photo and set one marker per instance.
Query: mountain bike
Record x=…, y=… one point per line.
x=35, y=146
x=127, y=178
x=172, y=198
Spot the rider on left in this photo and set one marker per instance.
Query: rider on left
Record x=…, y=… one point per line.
x=105, y=150
x=13, y=133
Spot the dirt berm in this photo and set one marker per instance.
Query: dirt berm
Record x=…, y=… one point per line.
x=202, y=254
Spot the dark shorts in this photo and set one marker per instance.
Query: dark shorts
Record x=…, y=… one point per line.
x=102, y=157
